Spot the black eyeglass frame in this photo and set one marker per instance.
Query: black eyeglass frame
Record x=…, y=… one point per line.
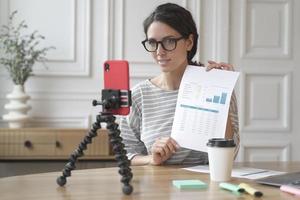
x=161, y=43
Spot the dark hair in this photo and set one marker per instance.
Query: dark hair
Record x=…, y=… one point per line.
x=179, y=19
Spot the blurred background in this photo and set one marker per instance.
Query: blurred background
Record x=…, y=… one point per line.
x=259, y=37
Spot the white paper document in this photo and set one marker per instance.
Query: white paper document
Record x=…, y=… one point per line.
x=202, y=106
x=240, y=172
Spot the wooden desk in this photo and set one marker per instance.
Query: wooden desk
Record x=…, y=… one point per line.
x=149, y=183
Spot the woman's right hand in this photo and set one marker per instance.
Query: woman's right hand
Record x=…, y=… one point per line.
x=162, y=149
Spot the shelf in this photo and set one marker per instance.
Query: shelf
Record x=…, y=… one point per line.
x=51, y=144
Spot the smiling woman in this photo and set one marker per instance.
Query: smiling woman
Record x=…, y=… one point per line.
x=171, y=39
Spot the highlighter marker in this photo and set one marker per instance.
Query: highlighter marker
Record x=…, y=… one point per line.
x=231, y=187
x=251, y=190
x=290, y=189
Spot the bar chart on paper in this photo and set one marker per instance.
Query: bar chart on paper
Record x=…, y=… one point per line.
x=217, y=99
x=204, y=97
x=202, y=107
x=202, y=103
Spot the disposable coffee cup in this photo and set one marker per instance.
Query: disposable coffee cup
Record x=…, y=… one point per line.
x=220, y=158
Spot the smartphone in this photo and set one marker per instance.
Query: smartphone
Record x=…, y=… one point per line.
x=116, y=77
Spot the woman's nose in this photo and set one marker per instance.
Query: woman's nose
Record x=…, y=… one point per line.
x=160, y=50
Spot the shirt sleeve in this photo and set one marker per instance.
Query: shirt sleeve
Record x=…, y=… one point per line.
x=233, y=114
x=130, y=127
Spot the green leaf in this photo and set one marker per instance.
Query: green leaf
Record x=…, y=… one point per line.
x=20, y=51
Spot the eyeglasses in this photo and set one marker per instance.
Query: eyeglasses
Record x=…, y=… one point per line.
x=168, y=44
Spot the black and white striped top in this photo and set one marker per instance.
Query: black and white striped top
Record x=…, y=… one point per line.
x=151, y=117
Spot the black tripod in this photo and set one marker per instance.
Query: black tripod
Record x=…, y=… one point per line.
x=111, y=100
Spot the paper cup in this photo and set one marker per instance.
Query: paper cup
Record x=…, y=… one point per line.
x=220, y=157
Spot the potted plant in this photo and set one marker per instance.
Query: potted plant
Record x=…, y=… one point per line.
x=18, y=54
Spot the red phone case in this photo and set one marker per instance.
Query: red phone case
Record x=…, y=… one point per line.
x=116, y=76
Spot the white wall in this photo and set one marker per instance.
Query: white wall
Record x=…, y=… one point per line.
x=87, y=32
x=265, y=44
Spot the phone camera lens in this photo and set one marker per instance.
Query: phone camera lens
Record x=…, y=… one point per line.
x=106, y=67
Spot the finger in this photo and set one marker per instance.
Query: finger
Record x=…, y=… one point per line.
x=211, y=62
x=159, y=150
x=175, y=144
x=165, y=148
x=210, y=66
x=171, y=147
x=159, y=146
x=172, y=144
x=167, y=144
x=227, y=66
x=213, y=66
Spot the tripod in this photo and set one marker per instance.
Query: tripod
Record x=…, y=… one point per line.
x=111, y=100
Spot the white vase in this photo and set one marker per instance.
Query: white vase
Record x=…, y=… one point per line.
x=17, y=107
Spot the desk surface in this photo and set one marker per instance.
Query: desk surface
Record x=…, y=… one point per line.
x=149, y=182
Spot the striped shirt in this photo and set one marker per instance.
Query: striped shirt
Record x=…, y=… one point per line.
x=151, y=117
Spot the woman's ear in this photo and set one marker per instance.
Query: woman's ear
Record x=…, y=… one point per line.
x=190, y=42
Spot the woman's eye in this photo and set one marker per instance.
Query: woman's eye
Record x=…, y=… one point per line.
x=169, y=41
x=152, y=42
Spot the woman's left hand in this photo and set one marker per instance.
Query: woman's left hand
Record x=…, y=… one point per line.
x=222, y=66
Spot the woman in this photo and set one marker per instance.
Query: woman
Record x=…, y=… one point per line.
x=171, y=38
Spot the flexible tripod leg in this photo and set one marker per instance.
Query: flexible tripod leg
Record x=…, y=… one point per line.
x=66, y=172
x=118, y=148
x=120, y=153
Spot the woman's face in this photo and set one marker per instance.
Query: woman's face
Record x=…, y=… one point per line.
x=169, y=60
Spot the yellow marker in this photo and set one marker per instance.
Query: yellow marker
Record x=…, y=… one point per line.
x=251, y=190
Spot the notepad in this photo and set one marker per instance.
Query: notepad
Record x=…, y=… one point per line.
x=189, y=184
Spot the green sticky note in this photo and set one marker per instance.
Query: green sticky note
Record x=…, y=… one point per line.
x=189, y=184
